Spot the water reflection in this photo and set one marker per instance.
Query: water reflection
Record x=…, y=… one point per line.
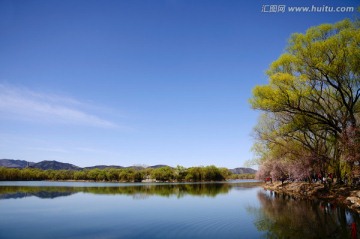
x=281, y=216
x=137, y=211
x=226, y=210
x=140, y=191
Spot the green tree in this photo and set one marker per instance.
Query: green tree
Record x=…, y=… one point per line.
x=226, y=173
x=93, y=174
x=312, y=99
x=80, y=175
x=163, y=174
x=112, y=174
x=130, y=175
x=195, y=174
x=180, y=173
x=212, y=173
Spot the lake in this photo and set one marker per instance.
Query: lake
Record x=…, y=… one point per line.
x=239, y=209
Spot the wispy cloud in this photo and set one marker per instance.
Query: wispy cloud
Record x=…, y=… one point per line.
x=55, y=150
x=23, y=103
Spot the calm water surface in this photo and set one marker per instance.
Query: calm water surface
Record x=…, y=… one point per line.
x=118, y=210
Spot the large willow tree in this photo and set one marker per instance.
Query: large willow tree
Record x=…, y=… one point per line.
x=311, y=104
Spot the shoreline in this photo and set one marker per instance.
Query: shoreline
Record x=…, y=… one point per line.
x=341, y=195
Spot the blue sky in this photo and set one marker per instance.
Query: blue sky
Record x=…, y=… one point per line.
x=139, y=82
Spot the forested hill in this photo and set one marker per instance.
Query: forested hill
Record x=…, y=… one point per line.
x=55, y=165
x=10, y=163
x=243, y=171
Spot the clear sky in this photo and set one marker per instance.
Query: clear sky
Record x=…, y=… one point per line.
x=124, y=82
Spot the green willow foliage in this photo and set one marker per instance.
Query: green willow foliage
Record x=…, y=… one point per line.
x=164, y=174
x=311, y=105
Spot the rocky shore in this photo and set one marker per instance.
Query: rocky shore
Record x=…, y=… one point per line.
x=336, y=194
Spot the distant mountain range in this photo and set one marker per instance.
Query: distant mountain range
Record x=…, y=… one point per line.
x=10, y=163
x=243, y=171
x=55, y=165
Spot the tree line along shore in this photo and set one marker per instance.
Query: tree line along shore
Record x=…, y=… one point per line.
x=162, y=174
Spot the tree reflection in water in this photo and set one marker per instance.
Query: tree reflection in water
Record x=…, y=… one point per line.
x=141, y=191
x=282, y=216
